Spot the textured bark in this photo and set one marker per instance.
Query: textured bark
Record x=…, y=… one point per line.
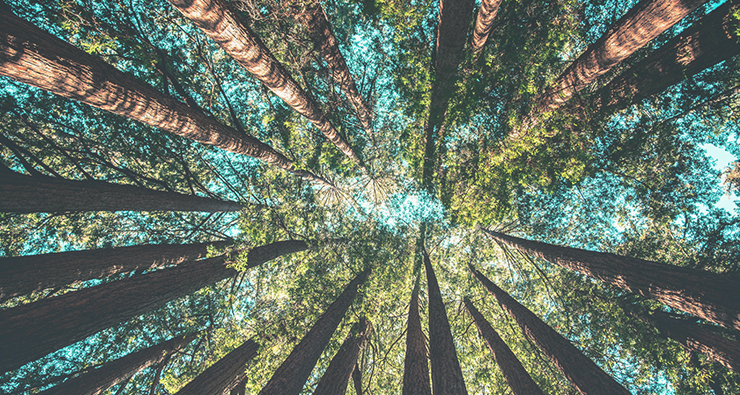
x=319, y=30
x=357, y=379
x=483, y=24
x=446, y=373
x=262, y=254
x=517, y=378
x=223, y=375
x=97, y=381
x=416, y=368
x=221, y=23
x=711, y=296
x=642, y=23
x=34, y=57
x=291, y=376
x=337, y=375
x=585, y=375
x=25, y=274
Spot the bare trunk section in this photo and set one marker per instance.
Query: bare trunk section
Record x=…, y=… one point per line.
x=640, y=25
x=519, y=380
x=585, y=375
x=25, y=274
x=96, y=381
x=291, y=376
x=416, y=368
x=446, y=373
x=220, y=22
x=337, y=375
x=483, y=23
x=30, y=331
x=711, y=296
x=223, y=375
x=34, y=57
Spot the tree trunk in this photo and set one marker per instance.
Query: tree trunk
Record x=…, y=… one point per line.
x=34, y=57
x=218, y=20
x=707, y=42
x=585, y=375
x=640, y=25
x=97, y=381
x=446, y=373
x=517, y=378
x=223, y=375
x=30, y=331
x=483, y=23
x=25, y=274
x=337, y=375
x=319, y=30
x=711, y=296
x=357, y=379
x=416, y=369
x=291, y=376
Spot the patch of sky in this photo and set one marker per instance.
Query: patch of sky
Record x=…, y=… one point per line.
x=721, y=160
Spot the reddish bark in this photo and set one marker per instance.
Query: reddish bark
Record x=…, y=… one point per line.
x=416, y=368
x=335, y=379
x=483, y=24
x=223, y=375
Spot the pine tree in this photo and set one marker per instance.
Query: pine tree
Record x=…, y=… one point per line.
x=223, y=375
x=483, y=24
x=335, y=379
x=416, y=367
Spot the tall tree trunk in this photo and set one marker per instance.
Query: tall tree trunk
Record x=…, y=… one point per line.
x=218, y=20
x=319, y=30
x=517, y=378
x=97, y=381
x=640, y=25
x=25, y=274
x=483, y=23
x=446, y=373
x=357, y=379
x=416, y=368
x=337, y=375
x=291, y=376
x=585, y=375
x=34, y=57
x=711, y=296
x=707, y=42
x=30, y=331
x=223, y=375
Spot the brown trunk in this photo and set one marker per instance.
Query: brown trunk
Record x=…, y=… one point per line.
x=336, y=377
x=221, y=23
x=319, y=30
x=223, y=375
x=585, y=375
x=30, y=331
x=517, y=378
x=97, y=381
x=357, y=379
x=642, y=23
x=262, y=254
x=34, y=57
x=416, y=368
x=483, y=23
x=25, y=274
x=446, y=373
x=711, y=296
x=291, y=376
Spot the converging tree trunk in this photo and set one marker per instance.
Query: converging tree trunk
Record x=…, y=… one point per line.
x=585, y=375
x=446, y=373
x=25, y=274
x=223, y=375
x=34, y=57
x=416, y=367
x=337, y=375
x=483, y=24
x=98, y=380
x=30, y=331
x=711, y=296
x=519, y=380
x=291, y=376
x=218, y=20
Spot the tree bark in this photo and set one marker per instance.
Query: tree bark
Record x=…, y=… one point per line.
x=291, y=376
x=34, y=57
x=416, y=368
x=30, y=331
x=483, y=23
x=337, y=375
x=218, y=20
x=640, y=25
x=519, y=380
x=711, y=296
x=25, y=274
x=585, y=375
x=223, y=375
x=97, y=381
x=446, y=373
